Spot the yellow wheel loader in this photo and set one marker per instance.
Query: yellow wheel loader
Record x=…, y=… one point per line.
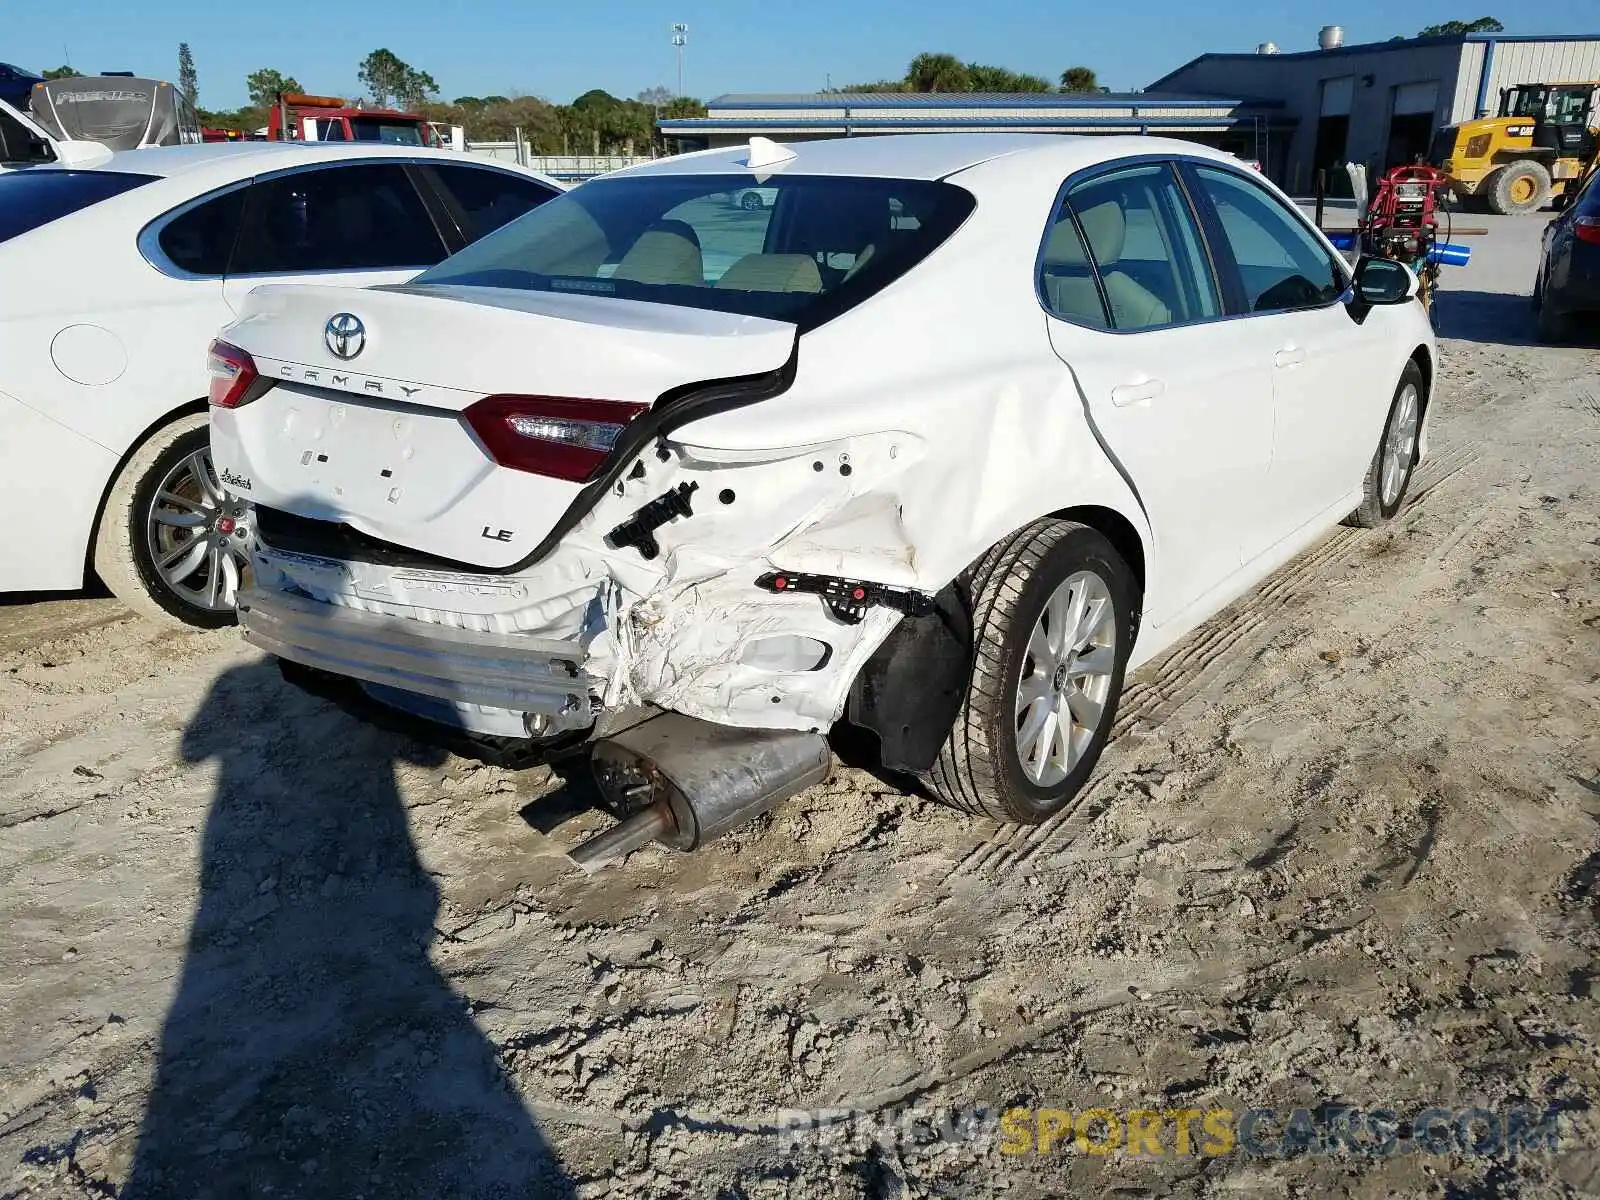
x=1535, y=151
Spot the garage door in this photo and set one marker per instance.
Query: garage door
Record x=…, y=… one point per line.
x=1416, y=98
x=1337, y=95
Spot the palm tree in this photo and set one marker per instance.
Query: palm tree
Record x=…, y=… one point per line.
x=1079, y=79
x=938, y=73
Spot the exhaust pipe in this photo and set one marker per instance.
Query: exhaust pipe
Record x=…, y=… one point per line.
x=687, y=781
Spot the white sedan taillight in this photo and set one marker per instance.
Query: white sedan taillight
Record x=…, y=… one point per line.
x=550, y=435
x=232, y=372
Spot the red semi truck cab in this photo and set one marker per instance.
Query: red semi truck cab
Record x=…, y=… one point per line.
x=329, y=119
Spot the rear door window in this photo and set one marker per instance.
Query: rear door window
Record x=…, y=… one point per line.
x=360, y=217
x=1149, y=259
x=31, y=198
x=485, y=199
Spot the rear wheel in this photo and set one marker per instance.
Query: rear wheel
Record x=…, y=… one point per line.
x=1522, y=187
x=1052, y=613
x=750, y=201
x=1551, y=324
x=172, y=543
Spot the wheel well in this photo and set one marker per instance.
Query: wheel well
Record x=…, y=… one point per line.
x=1119, y=531
x=149, y=431
x=1424, y=362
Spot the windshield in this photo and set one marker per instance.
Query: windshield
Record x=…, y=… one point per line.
x=31, y=198
x=390, y=133
x=1558, y=106
x=795, y=248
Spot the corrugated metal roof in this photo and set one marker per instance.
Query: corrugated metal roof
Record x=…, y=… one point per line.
x=1454, y=39
x=761, y=124
x=1033, y=100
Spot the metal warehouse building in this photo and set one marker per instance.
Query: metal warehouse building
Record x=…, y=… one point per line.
x=1240, y=125
x=1379, y=103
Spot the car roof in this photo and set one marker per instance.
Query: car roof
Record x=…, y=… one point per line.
x=921, y=155
x=241, y=159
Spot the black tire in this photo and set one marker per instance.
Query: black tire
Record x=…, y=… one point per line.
x=1374, y=510
x=1552, y=325
x=123, y=556
x=1536, y=301
x=751, y=201
x=1524, y=175
x=980, y=769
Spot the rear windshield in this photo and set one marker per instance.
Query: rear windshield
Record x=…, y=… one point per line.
x=795, y=248
x=33, y=197
x=390, y=133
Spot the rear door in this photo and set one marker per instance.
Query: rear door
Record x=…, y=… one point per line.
x=357, y=224
x=1181, y=402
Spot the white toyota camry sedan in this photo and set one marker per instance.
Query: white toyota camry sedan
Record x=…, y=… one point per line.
x=945, y=440
x=115, y=276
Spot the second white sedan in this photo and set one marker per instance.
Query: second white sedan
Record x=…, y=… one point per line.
x=115, y=278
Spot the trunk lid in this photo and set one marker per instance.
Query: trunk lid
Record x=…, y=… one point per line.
x=375, y=440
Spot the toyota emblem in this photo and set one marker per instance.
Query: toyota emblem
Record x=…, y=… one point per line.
x=345, y=334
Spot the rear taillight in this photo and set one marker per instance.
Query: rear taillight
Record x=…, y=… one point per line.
x=1587, y=229
x=550, y=435
x=232, y=372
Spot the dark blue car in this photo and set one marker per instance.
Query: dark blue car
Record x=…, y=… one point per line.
x=16, y=85
x=1568, y=286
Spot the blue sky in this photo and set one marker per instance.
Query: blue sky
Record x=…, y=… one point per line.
x=478, y=47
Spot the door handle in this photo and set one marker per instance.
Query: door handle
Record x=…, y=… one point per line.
x=1142, y=392
x=1289, y=356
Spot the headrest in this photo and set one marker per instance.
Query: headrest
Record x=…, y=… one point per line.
x=773, y=273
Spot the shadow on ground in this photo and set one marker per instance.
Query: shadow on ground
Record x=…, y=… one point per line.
x=1494, y=317
x=312, y=1048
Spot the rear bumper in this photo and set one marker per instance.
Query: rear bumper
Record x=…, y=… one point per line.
x=515, y=672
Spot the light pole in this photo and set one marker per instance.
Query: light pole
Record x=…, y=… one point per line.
x=680, y=39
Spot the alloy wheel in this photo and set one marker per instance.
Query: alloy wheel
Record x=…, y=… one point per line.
x=1065, y=680
x=198, y=541
x=1400, y=446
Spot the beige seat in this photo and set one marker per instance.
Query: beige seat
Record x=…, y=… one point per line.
x=664, y=254
x=1133, y=306
x=773, y=273
x=1068, y=279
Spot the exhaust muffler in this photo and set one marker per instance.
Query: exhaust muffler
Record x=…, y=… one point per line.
x=685, y=781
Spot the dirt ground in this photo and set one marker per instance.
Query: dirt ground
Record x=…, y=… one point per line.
x=1345, y=849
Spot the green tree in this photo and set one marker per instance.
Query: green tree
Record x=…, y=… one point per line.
x=656, y=97
x=416, y=88
x=937, y=73
x=384, y=76
x=61, y=73
x=265, y=85
x=1079, y=79
x=188, y=80
x=883, y=85
x=683, y=108
x=1451, y=28
x=982, y=78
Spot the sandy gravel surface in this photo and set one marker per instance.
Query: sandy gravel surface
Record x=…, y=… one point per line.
x=1345, y=849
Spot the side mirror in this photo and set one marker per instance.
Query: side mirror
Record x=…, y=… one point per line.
x=1383, y=281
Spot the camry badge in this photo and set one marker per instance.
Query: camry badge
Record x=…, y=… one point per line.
x=345, y=335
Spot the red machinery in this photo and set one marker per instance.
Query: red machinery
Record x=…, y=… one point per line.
x=1402, y=222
